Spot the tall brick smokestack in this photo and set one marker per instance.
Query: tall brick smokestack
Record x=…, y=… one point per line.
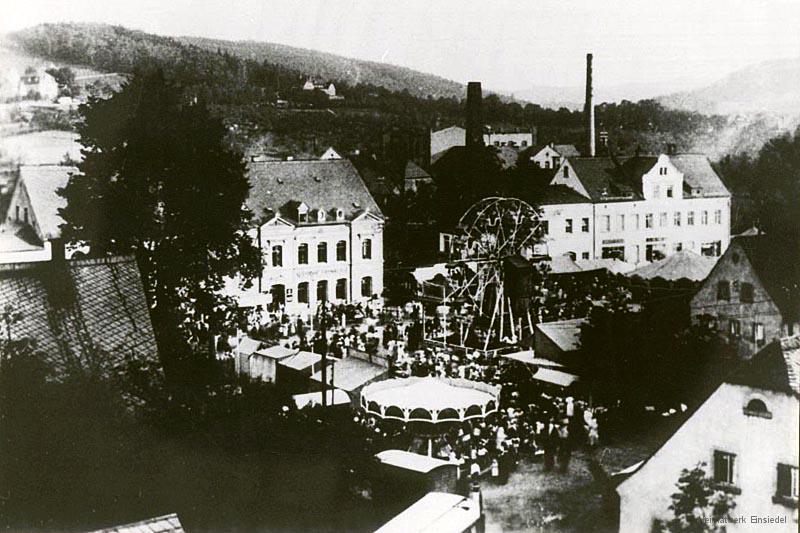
x=474, y=115
x=589, y=108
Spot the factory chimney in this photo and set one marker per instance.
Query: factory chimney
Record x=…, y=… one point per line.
x=474, y=115
x=589, y=108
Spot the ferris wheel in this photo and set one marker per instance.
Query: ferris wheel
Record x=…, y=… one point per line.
x=492, y=230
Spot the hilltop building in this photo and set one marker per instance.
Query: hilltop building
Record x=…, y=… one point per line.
x=752, y=295
x=320, y=233
x=745, y=433
x=37, y=84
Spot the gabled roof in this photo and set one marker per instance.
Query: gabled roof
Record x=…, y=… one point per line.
x=41, y=183
x=776, y=262
x=248, y=346
x=775, y=368
x=413, y=171
x=609, y=179
x=680, y=265
x=78, y=309
x=699, y=175
x=276, y=352
x=558, y=194
x=603, y=179
x=566, y=334
x=162, y=524
x=277, y=186
x=566, y=150
x=351, y=373
x=301, y=360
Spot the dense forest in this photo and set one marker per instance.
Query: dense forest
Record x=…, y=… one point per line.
x=244, y=85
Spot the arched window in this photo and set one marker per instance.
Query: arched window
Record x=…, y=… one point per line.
x=341, y=251
x=302, y=254
x=757, y=407
x=322, y=252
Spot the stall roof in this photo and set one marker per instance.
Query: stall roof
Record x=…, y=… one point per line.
x=529, y=358
x=276, y=352
x=566, y=334
x=248, y=345
x=555, y=377
x=438, y=512
x=410, y=461
x=351, y=373
x=335, y=397
x=301, y=360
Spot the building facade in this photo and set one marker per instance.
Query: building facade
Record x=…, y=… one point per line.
x=745, y=434
x=752, y=295
x=638, y=209
x=320, y=234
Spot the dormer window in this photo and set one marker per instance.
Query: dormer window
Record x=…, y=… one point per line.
x=339, y=215
x=302, y=213
x=321, y=216
x=757, y=407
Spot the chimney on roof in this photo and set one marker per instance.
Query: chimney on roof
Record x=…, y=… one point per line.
x=589, y=107
x=474, y=115
x=672, y=149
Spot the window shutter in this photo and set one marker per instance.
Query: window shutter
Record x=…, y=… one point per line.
x=784, y=480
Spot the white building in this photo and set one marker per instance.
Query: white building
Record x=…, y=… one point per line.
x=746, y=433
x=444, y=139
x=31, y=223
x=320, y=233
x=636, y=209
x=552, y=155
x=36, y=82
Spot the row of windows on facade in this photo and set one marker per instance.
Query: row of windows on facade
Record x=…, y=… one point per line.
x=726, y=290
x=605, y=221
x=786, y=481
x=734, y=328
x=322, y=252
x=322, y=290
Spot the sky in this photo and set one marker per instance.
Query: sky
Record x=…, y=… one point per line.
x=509, y=46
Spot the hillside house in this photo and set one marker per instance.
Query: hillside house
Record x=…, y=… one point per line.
x=745, y=434
x=37, y=84
x=31, y=223
x=752, y=295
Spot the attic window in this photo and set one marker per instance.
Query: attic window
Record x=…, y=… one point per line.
x=317, y=179
x=280, y=180
x=320, y=216
x=356, y=205
x=757, y=407
x=339, y=214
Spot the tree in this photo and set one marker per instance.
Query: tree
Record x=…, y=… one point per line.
x=158, y=181
x=698, y=507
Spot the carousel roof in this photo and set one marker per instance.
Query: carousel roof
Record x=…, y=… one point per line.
x=430, y=399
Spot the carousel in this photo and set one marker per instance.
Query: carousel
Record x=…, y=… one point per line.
x=429, y=406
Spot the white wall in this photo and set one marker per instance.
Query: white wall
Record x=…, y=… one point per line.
x=720, y=424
